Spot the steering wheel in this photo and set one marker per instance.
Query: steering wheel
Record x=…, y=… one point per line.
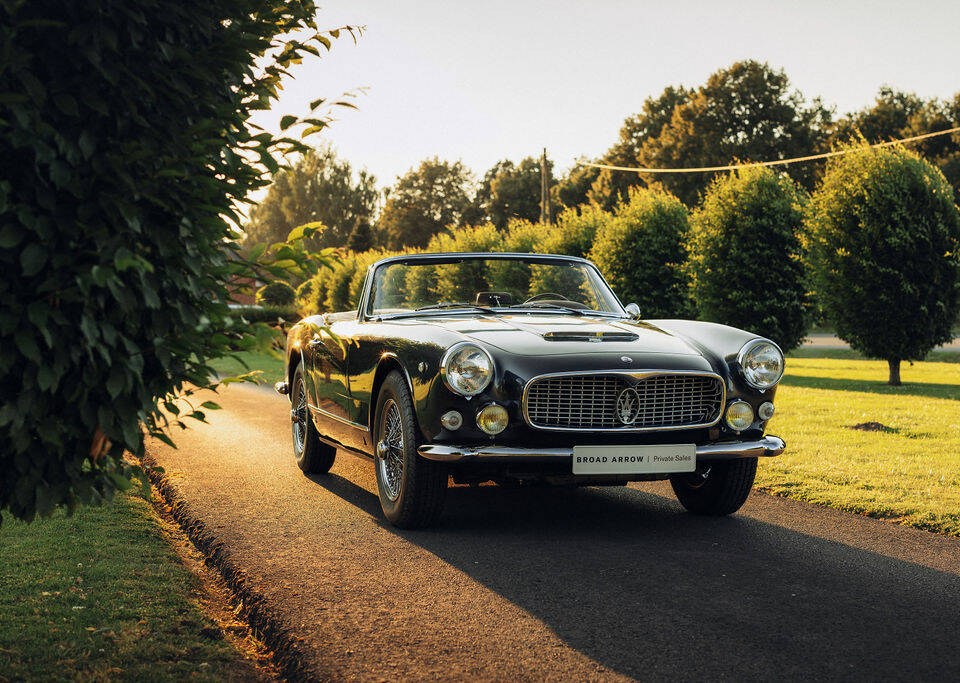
x=547, y=295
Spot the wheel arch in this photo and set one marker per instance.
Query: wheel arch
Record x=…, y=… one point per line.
x=293, y=361
x=388, y=362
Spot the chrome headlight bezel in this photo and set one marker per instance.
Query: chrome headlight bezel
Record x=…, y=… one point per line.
x=744, y=356
x=444, y=373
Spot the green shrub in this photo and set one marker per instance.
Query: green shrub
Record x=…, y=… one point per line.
x=277, y=293
x=573, y=235
x=641, y=253
x=306, y=297
x=521, y=236
x=124, y=145
x=461, y=281
x=884, y=242
x=745, y=255
x=338, y=289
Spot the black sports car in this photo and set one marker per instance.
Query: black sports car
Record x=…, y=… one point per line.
x=526, y=368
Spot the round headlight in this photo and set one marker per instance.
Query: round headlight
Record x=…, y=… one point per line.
x=467, y=369
x=739, y=415
x=761, y=363
x=492, y=419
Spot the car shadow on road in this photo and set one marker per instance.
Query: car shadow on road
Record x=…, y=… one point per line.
x=630, y=580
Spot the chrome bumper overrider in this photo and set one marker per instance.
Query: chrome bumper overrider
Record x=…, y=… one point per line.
x=282, y=387
x=766, y=447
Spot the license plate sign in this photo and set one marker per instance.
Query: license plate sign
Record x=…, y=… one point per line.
x=634, y=459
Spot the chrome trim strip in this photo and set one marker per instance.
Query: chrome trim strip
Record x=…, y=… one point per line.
x=636, y=374
x=343, y=420
x=768, y=446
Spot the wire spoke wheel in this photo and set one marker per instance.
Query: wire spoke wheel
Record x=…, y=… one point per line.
x=391, y=445
x=299, y=417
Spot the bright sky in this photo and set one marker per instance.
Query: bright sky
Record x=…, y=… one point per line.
x=483, y=81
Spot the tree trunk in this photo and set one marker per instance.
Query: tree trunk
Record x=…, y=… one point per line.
x=894, y=372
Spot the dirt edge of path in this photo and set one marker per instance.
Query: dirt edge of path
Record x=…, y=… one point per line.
x=249, y=605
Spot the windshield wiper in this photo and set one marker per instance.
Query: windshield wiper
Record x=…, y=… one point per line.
x=455, y=304
x=554, y=307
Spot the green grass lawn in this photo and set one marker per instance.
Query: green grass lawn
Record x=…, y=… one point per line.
x=909, y=472
x=102, y=596
x=270, y=367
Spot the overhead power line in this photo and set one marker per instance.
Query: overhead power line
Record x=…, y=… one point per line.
x=778, y=162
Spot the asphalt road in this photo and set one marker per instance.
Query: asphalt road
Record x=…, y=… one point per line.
x=564, y=584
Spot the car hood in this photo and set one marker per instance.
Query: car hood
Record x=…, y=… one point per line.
x=552, y=335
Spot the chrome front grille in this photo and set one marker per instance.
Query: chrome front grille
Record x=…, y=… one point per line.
x=623, y=401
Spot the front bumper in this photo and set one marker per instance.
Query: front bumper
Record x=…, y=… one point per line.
x=730, y=450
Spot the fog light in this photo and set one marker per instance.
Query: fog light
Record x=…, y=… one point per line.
x=739, y=415
x=492, y=419
x=451, y=420
x=765, y=411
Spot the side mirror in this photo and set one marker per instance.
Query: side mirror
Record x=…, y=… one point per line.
x=633, y=310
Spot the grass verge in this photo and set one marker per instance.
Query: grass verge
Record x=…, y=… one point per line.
x=270, y=367
x=101, y=595
x=908, y=471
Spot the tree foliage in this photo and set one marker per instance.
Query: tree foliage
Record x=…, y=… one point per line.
x=746, y=112
x=641, y=253
x=423, y=203
x=884, y=241
x=125, y=151
x=318, y=187
x=277, y=293
x=746, y=256
x=896, y=115
x=611, y=187
x=510, y=191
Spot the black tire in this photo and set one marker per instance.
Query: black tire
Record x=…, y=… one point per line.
x=313, y=455
x=412, y=489
x=722, y=491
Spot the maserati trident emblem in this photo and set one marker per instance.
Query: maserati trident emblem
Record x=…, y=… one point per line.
x=626, y=359
x=628, y=406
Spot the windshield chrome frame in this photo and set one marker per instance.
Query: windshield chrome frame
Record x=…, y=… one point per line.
x=363, y=313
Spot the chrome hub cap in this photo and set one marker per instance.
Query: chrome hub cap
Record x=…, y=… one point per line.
x=390, y=450
x=299, y=417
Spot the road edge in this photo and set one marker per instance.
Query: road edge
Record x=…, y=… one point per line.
x=248, y=603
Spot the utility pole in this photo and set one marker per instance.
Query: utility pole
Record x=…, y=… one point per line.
x=545, y=216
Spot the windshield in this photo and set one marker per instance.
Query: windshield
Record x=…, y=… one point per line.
x=490, y=284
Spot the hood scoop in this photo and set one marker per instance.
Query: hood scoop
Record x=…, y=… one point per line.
x=590, y=336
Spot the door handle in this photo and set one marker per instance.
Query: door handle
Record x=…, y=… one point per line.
x=315, y=342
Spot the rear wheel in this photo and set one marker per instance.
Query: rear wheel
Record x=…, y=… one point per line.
x=718, y=489
x=412, y=489
x=313, y=455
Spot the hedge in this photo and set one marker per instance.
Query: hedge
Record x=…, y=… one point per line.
x=125, y=144
x=746, y=256
x=641, y=253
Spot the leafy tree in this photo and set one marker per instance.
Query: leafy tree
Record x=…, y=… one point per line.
x=897, y=114
x=124, y=142
x=361, y=237
x=573, y=189
x=611, y=187
x=884, y=241
x=423, y=203
x=746, y=112
x=746, y=255
x=641, y=253
x=319, y=187
x=574, y=232
x=510, y=191
x=277, y=293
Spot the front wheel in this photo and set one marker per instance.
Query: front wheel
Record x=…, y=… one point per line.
x=412, y=489
x=718, y=489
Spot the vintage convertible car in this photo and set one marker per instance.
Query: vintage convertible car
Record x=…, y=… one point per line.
x=525, y=368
